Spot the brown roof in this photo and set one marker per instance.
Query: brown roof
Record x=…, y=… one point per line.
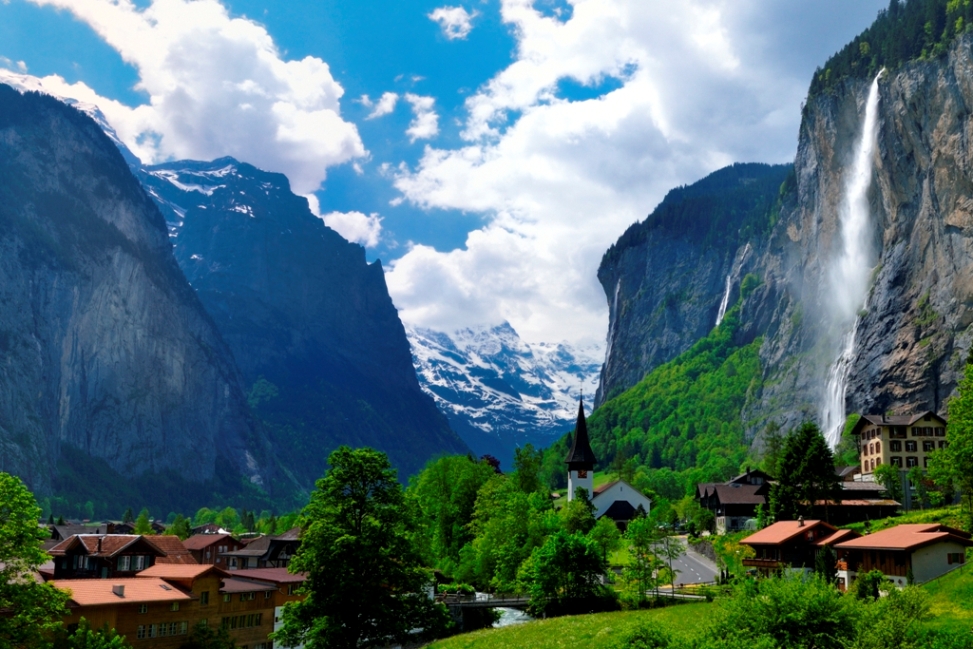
x=907, y=537
x=293, y=534
x=744, y=494
x=172, y=548
x=783, y=531
x=102, y=545
x=276, y=575
x=901, y=420
x=178, y=571
x=200, y=541
x=605, y=487
x=98, y=592
x=838, y=537
x=232, y=585
x=256, y=548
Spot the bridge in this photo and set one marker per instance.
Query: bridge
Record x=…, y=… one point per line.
x=461, y=605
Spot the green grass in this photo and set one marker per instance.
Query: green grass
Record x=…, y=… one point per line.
x=951, y=600
x=597, y=631
x=952, y=516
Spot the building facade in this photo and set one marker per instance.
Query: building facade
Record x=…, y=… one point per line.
x=903, y=441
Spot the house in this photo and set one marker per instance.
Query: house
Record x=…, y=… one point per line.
x=858, y=501
x=209, y=548
x=620, y=502
x=149, y=612
x=208, y=528
x=287, y=586
x=265, y=551
x=103, y=556
x=922, y=551
x=902, y=441
x=735, y=501
x=792, y=545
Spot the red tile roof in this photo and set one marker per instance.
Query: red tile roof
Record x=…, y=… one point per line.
x=98, y=592
x=907, y=537
x=783, y=531
x=200, y=541
x=838, y=537
x=276, y=575
x=178, y=571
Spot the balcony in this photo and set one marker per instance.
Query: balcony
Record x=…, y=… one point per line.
x=764, y=564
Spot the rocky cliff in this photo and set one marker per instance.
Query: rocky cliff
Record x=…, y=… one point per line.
x=913, y=333
x=310, y=322
x=108, y=357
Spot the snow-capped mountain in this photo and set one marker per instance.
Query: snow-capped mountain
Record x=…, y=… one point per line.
x=500, y=392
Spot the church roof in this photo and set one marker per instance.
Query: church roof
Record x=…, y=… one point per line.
x=581, y=456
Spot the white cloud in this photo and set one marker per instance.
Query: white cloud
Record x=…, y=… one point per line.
x=697, y=85
x=384, y=106
x=455, y=22
x=353, y=226
x=425, y=122
x=216, y=86
x=19, y=66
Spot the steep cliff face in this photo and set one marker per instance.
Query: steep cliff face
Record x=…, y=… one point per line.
x=310, y=322
x=913, y=334
x=666, y=278
x=106, y=351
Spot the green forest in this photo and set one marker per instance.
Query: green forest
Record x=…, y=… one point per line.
x=906, y=31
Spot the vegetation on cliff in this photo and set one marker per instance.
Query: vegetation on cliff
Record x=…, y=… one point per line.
x=906, y=31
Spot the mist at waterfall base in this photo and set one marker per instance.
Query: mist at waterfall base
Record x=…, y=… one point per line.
x=847, y=281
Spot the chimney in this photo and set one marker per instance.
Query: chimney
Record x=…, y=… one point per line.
x=800, y=521
x=118, y=589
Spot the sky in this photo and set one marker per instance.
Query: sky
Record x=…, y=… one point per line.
x=488, y=152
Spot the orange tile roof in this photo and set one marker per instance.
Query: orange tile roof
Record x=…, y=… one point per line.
x=178, y=571
x=838, y=537
x=200, y=541
x=98, y=592
x=783, y=531
x=907, y=537
x=276, y=575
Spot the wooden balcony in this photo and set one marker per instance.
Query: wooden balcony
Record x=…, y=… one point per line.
x=763, y=564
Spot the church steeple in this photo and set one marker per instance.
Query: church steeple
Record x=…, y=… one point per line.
x=581, y=459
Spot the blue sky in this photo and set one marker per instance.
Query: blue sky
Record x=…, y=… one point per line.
x=525, y=136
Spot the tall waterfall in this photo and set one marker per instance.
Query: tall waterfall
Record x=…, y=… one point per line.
x=851, y=268
x=724, y=302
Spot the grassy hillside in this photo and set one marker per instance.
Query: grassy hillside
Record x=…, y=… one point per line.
x=951, y=600
x=681, y=424
x=598, y=631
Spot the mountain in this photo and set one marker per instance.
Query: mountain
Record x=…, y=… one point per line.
x=314, y=332
x=500, y=392
x=114, y=375
x=880, y=321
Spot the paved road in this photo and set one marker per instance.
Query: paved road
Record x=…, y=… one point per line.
x=694, y=568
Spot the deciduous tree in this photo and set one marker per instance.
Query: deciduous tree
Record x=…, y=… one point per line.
x=953, y=465
x=562, y=573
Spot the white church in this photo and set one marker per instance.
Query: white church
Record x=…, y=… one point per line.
x=617, y=500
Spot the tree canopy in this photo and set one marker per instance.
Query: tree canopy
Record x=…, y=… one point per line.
x=806, y=476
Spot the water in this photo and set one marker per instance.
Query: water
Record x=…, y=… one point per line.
x=510, y=617
x=852, y=267
x=724, y=302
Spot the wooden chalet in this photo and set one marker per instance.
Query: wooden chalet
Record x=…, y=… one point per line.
x=265, y=551
x=791, y=545
x=735, y=501
x=210, y=548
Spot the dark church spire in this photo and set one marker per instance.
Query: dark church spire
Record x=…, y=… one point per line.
x=581, y=457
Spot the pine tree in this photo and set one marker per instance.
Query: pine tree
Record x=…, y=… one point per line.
x=806, y=476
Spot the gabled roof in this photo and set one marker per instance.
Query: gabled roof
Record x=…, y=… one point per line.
x=179, y=571
x=275, y=575
x=838, y=537
x=900, y=420
x=907, y=537
x=201, y=541
x=99, y=545
x=64, y=532
x=744, y=494
x=783, y=531
x=744, y=478
x=172, y=549
x=98, y=592
x=581, y=456
x=256, y=548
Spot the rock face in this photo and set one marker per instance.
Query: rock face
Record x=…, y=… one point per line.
x=312, y=327
x=666, y=277
x=500, y=392
x=106, y=351
x=914, y=333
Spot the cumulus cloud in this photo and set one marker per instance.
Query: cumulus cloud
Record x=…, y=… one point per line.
x=456, y=22
x=353, y=226
x=384, y=106
x=19, y=66
x=425, y=121
x=217, y=85
x=688, y=87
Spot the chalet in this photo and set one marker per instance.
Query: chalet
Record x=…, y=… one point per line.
x=735, y=501
x=792, y=545
x=903, y=441
x=265, y=551
x=149, y=612
x=103, y=556
x=210, y=548
x=172, y=548
x=617, y=500
x=858, y=501
x=922, y=551
x=286, y=587
x=208, y=528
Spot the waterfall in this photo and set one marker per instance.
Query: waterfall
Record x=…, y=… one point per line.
x=851, y=269
x=724, y=302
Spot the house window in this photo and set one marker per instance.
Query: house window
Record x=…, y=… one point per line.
x=911, y=446
x=174, y=606
x=163, y=630
x=227, y=597
x=204, y=598
x=928, y=446
x=153, y=631
x=247, y=597
x=911, y=462
x=268, y=594
x=143, y=608
x=139, y=562
x=207, y=554
x=942, y=444
x=955, y=557
x=878, y=447
x=124, y=563
x=183, y=628
x=896, y=461
x=291, y=589
x=895, y=447
x=140, y=633
x=925, y=462
x=940, y=432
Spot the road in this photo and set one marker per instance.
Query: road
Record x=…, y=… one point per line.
x=693, y=568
